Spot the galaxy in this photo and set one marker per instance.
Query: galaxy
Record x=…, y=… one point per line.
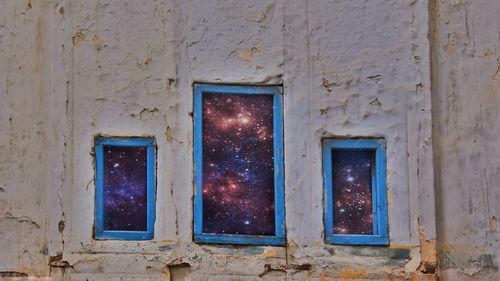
x=352, y=194
x=125, y=188
x=238, y=164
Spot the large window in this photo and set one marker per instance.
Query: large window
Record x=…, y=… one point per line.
x=238, y=154
x=355, y=191
x=125, y=188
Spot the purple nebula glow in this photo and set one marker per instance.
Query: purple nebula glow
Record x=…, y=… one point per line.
x=238, y=164
x=125, y=192
x=352, y=193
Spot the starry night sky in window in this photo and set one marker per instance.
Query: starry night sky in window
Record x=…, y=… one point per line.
x=352, y=194
x=125, y=188
x=238, y=173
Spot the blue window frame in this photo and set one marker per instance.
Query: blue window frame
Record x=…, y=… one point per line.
x=354, y=172
x=238, y=165
x=125, y=188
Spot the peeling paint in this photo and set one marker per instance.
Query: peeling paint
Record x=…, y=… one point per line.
x=71, y=70
x=58, y=262
x=78, y=38
x=247, y=55
x=376, y=102
x=98, y=42
x=168, y=134
x=269, y=253
x=496, y=77
x=428, y=255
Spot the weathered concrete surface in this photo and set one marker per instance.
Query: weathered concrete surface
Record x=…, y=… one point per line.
x=466, y=106
x=71, y=70
x=24, y=139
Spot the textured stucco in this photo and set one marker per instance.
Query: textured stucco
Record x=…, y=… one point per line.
x=24, y=139
x=72, y=70
x=466, y=129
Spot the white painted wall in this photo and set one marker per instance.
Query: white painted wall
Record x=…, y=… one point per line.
x=466, y=80
x=71, y=70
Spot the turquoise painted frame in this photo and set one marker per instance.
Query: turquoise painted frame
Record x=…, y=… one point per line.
x=380, y=234
x=100, y=232
x=279, y=194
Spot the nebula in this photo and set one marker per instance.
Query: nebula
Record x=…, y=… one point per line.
x=238, y=164
x=352, y=191
x=125, y=188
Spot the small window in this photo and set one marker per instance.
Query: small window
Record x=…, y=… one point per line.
x=238, y=154
x=355, y=191
x=125, y=188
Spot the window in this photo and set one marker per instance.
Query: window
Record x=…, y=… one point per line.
x=125, y=188
x=238, y=155
x=355, y=191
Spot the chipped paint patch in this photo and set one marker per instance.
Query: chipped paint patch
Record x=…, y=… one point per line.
x=78, y=38
x=450, y=48
x=496, y=77
x=269, y=252
x=169, y=134
x=428, y=255
x=98, y=42
x=247, y=55
x=428, y=252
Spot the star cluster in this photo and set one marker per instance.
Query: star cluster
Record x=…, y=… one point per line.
x=238, y=164
x=125, y=193
x=352, y=195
